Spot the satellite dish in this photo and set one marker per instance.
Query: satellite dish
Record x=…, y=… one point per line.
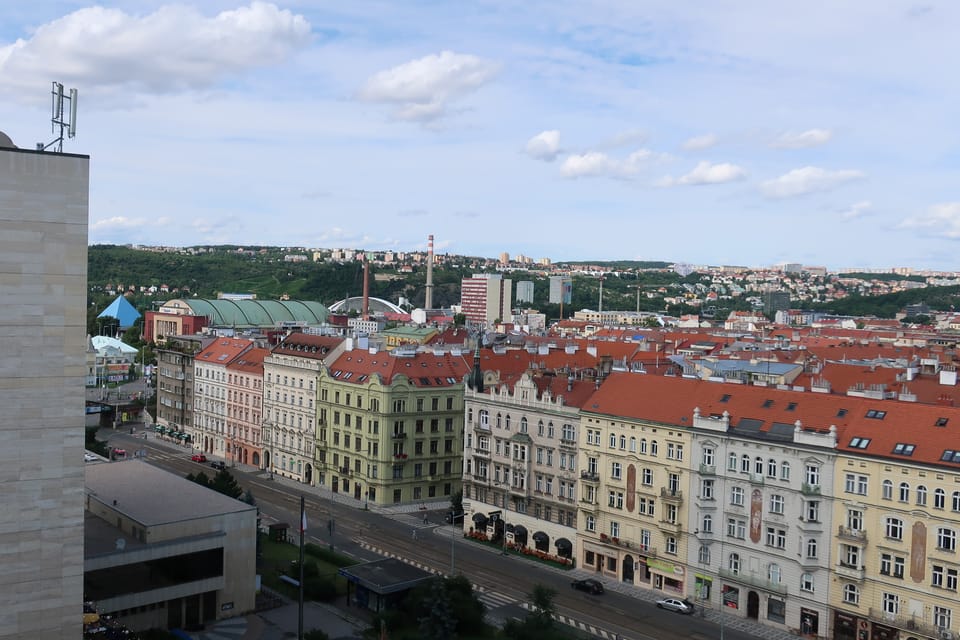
x=419, y=316
x=121, y=544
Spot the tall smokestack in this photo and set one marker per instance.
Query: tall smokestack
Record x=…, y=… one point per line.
x=428, y=302
x=366, y=288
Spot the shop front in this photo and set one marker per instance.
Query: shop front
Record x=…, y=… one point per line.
x=668, y=577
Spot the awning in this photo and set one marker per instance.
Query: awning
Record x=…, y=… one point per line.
x=510, y=528
x=563, y=543
x=540, y=536
x=520, y=531
x=480, y=519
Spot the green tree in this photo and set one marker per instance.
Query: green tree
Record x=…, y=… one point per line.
x=539, y=623
x=225, y=483
x=438, y=622
x=456, y=503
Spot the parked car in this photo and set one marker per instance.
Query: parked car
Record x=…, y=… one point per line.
x=198, y=457
x=675, y=604
x=589, y=585
x=219, y=464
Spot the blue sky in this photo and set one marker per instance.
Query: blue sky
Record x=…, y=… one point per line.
x=712, y=132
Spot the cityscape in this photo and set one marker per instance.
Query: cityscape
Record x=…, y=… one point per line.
x=632, y=321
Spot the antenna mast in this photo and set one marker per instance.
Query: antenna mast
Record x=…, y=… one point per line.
x=63, y=110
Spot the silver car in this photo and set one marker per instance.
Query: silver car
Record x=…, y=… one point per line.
x=676, y=604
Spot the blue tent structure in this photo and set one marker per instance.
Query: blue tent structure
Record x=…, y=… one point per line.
x=123, y=311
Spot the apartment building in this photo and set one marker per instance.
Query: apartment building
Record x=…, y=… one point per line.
x=244, y=442
x=898, y=514
x=485, y=298
x=520, y=460
x=390, y=425
x=291, y=375
x=212, y=387
x=634, y=502
x=175, y=384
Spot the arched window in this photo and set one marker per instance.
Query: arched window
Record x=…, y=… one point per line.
x=484, y=418
x=887, y=490
x=499, y=421
x=939, y=498
x=703, y=556
x=623, y=442
x=851, y=594
x=653, y=447
x=633, y=444
x=732, y=462
x=758, y=466
x=745, y=464
x=734, y=563
x=771, y=468
x=707, y=525
x=540, y=428
x=523, y=425
x=904, y=492
x=956, y=500
x=508, y=422
x=921, y=496
x=812, y=548
x=643, y=445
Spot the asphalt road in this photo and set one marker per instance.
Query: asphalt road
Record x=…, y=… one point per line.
x=504, y=581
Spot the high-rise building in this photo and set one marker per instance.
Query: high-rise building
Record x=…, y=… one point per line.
x=43, y=265
x=524, y=291
x=561, y=289
x=485, y=298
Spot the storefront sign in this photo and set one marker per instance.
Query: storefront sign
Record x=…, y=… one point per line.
x=665, y=567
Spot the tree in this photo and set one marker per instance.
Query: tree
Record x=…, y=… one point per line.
x=438, y=623
x=539, y=623
x=225, y=483
x=456, y=503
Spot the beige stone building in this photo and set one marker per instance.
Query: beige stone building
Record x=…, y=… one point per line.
x=43, y=268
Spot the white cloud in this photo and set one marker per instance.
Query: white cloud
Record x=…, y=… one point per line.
x=597, y=163
x=123, y=222
x=856, y=210
x=591, y=163
x=173, y=49
x=802, y=140
x=544, y=146
x=940, y=219
x=700, y=143
x=423, y=88
x=806, y=180
x=706, y=173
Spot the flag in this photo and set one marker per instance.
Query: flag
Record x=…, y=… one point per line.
x=303, y=522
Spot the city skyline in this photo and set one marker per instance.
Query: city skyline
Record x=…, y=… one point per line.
x=750, y=135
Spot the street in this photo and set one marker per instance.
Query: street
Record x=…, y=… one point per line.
x=503, y=582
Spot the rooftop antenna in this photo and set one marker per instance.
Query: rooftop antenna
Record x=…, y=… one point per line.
x=63, y=111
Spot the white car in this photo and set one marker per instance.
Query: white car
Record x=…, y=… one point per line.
x=89, y=457
x=676, y=604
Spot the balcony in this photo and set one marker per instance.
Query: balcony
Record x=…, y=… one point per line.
x=754, y=581
x=670, y=527
x=590, y=476
x=756, y=478
x=399, y=435
x=849, y=572
x=810, y=489
x=482, y=453
x=708, y=469
x=671, y=495
x=482, y=426
x=589, y=506
x=914, y=624
x=566, y=443
x=345, y=471
x=856, y=535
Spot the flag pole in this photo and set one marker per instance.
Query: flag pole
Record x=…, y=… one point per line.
x=303, y=534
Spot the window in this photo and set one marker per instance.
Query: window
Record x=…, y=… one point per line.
x=855, y=520
x=850, y=556
x=614, y=529
x=891, y=603
x=891, y=565
x=776, y=504
x=643, y=446
x=773, y=573
x=785, y=470
x=623, y=443
x=942, y=617
x=806, y=583
x=758, y=466
x=732, y=462
x=745, y=464
x=776, y=537
x=703, y=555
x=653, y=448
x=939, y=498
x=647, y=477
x=811, y=474
x=944, y=578
x=613, y=441
x=813, y=511
x=946, y=539
x=771, y=468
x=855, y=483
x=812, y=548
x=904, y=449
x=873, y=414
x=921, y=496
x=737, y=528
x=707, y=456
x=887, y=490
x=671, y=546
x=615, y=470
x=736, y=496
x=706, y=524
x=734, y=563
x=633, y=444
x=706, y=489
x=894, y=528
x=956, y=501
x=591, y=524
x=859, y=443
x=851, y=594
x=904, y=492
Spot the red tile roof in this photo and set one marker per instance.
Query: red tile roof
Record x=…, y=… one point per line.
x=424, y=369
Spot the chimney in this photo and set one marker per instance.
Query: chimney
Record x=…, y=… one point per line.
x=365, y=314
x=945, y=400
x=428, y=300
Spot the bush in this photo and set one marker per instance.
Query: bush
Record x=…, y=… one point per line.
x=326, y=555
x=321, y=588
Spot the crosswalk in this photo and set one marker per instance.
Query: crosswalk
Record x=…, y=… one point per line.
x=492, y=599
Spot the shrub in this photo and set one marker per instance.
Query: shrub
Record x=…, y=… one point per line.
x=322, y=588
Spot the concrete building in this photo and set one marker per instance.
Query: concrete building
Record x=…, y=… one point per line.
x=524, y=292
x=161, y=551
x=291, y=376
x=175, y=384
x=390, y=425
x=561, y=289
x=43, y=265
x=485, y=298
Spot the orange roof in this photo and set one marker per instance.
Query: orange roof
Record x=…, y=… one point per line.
x=423, y=369
x=250, y=362
x=307, y=345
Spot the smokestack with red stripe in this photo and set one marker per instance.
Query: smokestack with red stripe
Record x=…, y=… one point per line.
x=428, y=302
x=366, y=288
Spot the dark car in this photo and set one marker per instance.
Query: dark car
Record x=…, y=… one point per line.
x=589, y=585
x=219, y=464
x=676, y=604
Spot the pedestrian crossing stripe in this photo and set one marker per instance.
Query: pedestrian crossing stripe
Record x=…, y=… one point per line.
x=582, y=626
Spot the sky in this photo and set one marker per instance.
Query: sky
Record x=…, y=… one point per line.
x=709, y=132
